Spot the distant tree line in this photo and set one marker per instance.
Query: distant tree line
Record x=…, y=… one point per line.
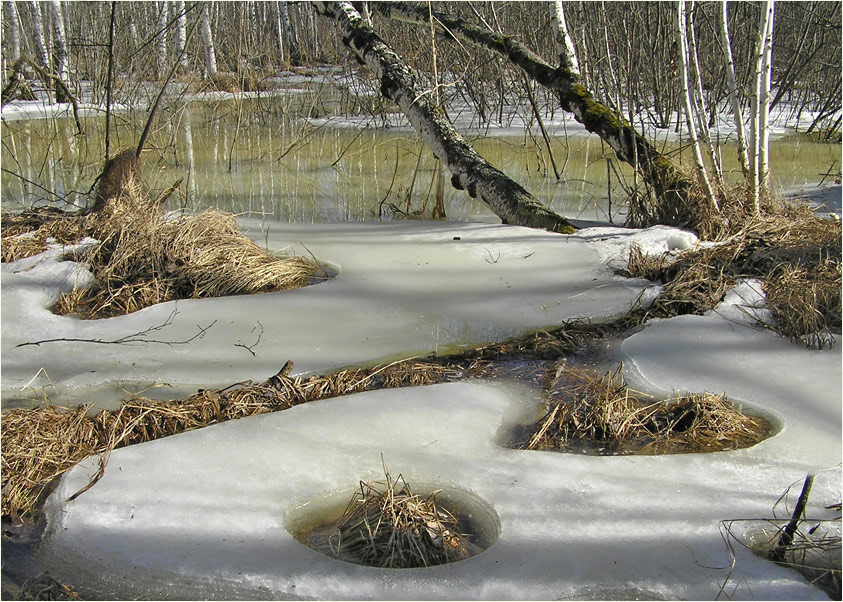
x=627, y=52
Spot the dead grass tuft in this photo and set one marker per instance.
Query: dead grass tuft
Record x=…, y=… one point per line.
x=42, y=443
x=142, y=257
x=602, y=415
x=386, y=525
x=795, y=254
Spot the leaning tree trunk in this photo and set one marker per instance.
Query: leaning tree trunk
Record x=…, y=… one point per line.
x=676, y=190
x=470, y=172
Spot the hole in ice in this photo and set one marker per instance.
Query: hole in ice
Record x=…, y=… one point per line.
x=391, y=524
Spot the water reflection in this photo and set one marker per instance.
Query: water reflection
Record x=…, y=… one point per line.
x=258, y=156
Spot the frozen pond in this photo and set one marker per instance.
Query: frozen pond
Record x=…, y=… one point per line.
x=207, y=513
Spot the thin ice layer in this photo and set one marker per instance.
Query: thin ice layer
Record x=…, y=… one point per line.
x=211, y=505
x=403, y=289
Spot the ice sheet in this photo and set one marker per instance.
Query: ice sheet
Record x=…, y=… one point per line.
x=403, y=289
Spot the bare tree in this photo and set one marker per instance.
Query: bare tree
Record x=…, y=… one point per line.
x=12, y=36
x=208, y=40
x=38, y=35
x=690, y=113
x=161, y=39
x=734, y=98
x=470, y=172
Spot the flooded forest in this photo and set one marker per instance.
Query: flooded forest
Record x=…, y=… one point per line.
x=421, y=300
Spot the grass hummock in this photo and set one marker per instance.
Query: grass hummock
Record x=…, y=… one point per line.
x=386, y=525
x=601, y=415
x=142, y=256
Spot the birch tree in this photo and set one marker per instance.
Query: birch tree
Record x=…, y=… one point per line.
x=670, y=185
x=181, y=28
x=161, y=40
x=760, y=107
x=59, y=45
x=564, y=42
x=764, y=100
x=208, y=40
x=732, y=83
x=470, y=172
x=689, y=107
x=38, y=36
x=292, y=45
x=12, y=35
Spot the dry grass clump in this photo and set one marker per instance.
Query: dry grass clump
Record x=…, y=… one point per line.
x=602, y=415
x=795, y=254
x=386, y=525
x=142, y=258
x=29, y=233
x=42, y=443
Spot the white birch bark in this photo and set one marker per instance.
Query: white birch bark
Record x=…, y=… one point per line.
x=564, y=41
x=38, y=36
x=59, y=40
x=279, y=30
x=689, y=110
x=699, y=97
x=755, y=118
x=181, y=29
x=734, y=98
x=12, y=33
x=764, y=100
x=288, y=32
x=208, y=40
x=161, y=44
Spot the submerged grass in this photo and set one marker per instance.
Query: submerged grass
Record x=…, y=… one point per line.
x=386, y=525
x=602, y=415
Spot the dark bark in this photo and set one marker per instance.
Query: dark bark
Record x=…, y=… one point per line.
x=672, y=186
x=470, y=172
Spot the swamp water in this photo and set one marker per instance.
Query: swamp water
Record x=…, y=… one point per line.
x=255, y=156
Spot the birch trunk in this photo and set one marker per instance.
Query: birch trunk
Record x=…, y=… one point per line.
x=764, y=100
x=12, y=35
x=161, y=43
x=733, y=88
x=671, y=186
x=279, y=30
x=208, y=40
x=757, y=109
x=38, y=36
x=60, y=46
x=181, y=29
x=689, y=108
x=564, y=41
x=295, y=59
x=470, y=172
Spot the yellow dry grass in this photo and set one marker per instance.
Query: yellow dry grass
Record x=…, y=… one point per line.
x=385, y=525
x=42, y=443
x=143, y=257
x=795, y=254
x=603, y=415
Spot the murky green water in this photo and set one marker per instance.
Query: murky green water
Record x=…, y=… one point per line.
x=259, y=156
